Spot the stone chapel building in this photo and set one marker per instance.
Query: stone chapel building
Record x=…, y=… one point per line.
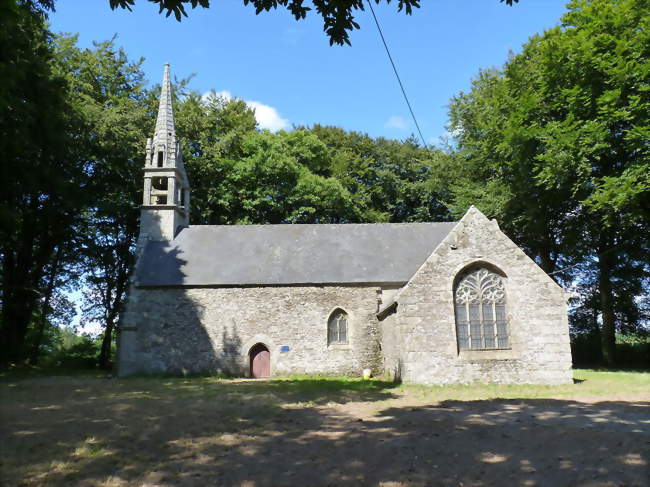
x=429, y=303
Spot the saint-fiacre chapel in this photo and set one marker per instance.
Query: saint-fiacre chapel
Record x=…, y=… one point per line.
x=428, y=303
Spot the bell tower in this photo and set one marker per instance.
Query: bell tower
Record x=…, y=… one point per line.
x=166, y=199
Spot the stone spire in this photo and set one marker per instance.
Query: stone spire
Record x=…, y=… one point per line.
x=165, y=132
x=166, y=195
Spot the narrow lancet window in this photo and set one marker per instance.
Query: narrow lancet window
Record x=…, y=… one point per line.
x=337, y=328
x=480, y=302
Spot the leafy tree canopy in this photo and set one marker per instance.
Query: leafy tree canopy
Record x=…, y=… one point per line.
x=555, y=146
x=338, y=16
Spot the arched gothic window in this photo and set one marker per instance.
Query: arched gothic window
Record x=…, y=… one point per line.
x=337, y=328
x=480, y=298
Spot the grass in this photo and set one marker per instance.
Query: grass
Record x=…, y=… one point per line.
x=40, y=371
x=591, y=382
x=587, y=383
x=88, y=429
x=319, y=389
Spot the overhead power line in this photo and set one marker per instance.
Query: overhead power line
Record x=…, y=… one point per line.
x=399, y=80
x=607, y=251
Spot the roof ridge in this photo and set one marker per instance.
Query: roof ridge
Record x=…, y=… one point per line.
x=269, y=225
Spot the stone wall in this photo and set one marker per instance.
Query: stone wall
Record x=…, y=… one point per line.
x=423, y=326
x=199, y=330
x=161, y=222
x=390, y=346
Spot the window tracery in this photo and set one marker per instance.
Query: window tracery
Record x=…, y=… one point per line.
x=480, y=309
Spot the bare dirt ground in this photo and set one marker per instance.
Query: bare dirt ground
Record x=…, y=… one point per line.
x=92, y=431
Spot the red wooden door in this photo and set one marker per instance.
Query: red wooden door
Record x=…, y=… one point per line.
x=260, y=361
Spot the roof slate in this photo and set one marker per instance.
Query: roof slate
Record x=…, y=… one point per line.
x=247, y=255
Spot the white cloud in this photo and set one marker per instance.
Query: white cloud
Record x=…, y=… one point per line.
x=267, y=116
x=397, y=122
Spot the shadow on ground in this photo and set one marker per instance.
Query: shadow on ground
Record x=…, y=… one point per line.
x=76, y=431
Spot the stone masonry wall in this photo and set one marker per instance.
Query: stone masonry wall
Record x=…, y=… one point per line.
x=199, y=330
x=390, y=346
x=424, y=327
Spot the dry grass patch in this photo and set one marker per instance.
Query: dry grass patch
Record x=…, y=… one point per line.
x=62, y=431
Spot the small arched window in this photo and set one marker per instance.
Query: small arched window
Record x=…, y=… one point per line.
x=480, y=302
x=337, y=328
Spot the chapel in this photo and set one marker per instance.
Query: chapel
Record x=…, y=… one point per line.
x=427, y=303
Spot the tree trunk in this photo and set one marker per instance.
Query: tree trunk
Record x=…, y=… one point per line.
x=45, y=308
x=608, y=328
x=18, y=301
x=105, y=352
x=22, y=272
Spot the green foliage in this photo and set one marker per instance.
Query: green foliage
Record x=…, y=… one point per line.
x=73, y=351
x=632, y=350
x=240, y=175
x=555, y=146
x=107, y=91
x=72, y=124
x=388, y=180
x=338, y=17
x=44, y=179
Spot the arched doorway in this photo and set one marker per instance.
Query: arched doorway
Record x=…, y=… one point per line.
x=260, y=361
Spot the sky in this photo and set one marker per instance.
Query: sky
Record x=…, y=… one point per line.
x=289, y=73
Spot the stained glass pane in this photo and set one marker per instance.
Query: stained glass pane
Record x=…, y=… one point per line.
x=488, y=335
x=502, y=328
x=502, y=332
x=475, y=312
x=461, y=313
x=462, y=330
x=500, y=312
x=488, y=329
x=488, y=314
x=463, y=336
x=331, y=331
x=343, y=330
x=476, y=343
x=475, y=329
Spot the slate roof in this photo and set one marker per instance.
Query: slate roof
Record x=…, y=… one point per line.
x=247, y=255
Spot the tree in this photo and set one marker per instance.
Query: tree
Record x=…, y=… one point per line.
x=44, y=179
x=240, y=175
x=555, y=145
x=338, y=17
x=107, y=90
x=72, y=124
x=389, y=180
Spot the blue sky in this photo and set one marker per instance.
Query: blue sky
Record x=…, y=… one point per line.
x=292, y=74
